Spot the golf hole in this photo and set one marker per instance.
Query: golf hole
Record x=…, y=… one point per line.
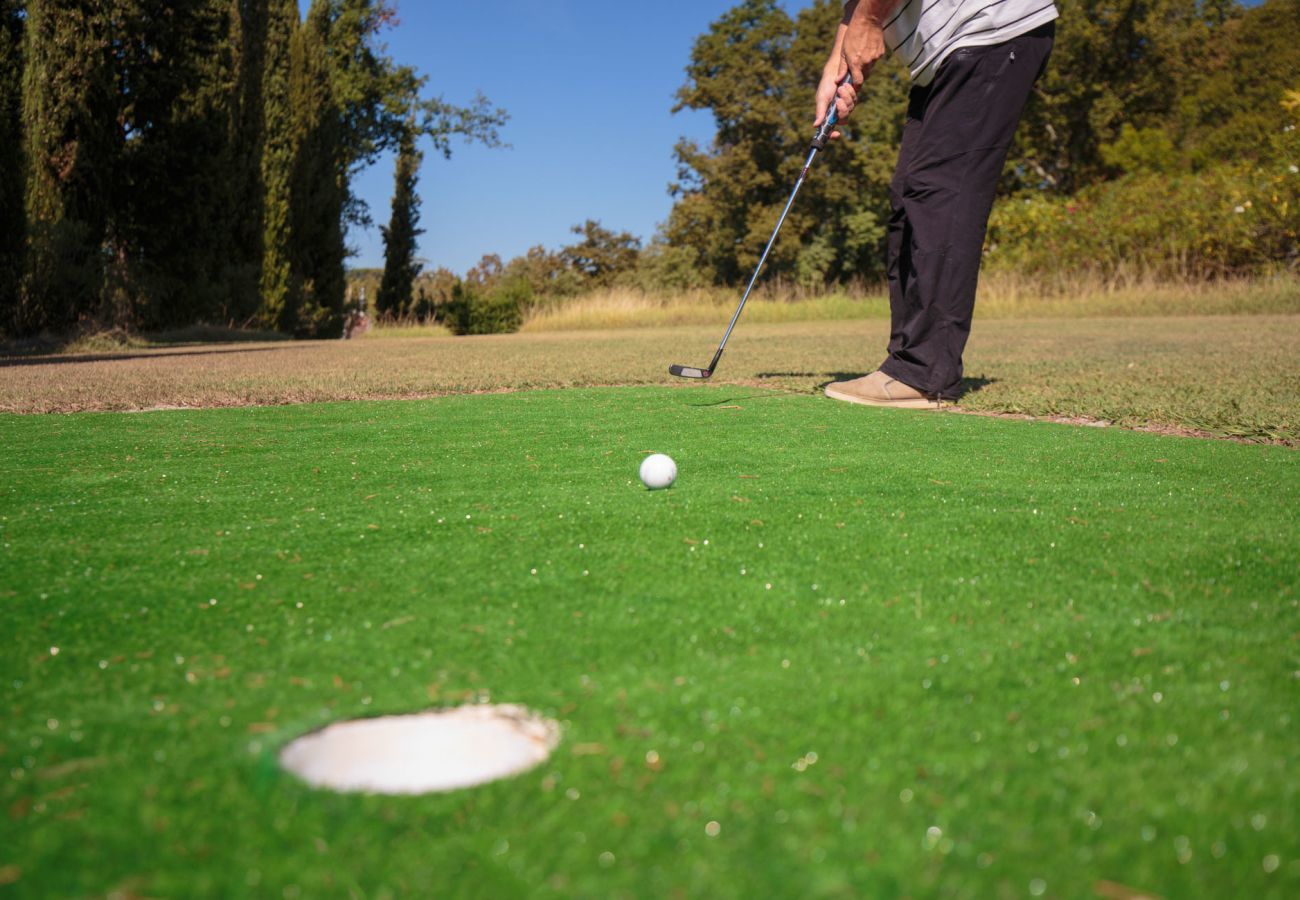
x=423, y=753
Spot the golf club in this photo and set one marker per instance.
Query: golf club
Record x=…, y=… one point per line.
x=818, y=143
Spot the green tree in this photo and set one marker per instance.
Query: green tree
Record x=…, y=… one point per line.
x=195, y=163
x=355, y=106
x=248, y=20
x=131, y=127
x=13, y=228
x=174, y=174
x=756, y=70
x=736, y=71
x=1115, y=62
x=318, y=189
x=433, y=291
x=280, y=295
x=70, y=139
x=549, y=274
x=400, y=265
x=1232, y=110
x=602, y=255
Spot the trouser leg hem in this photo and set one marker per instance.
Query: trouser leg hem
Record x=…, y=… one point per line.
x=908, y=375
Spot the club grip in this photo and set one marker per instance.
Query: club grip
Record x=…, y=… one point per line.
x=832, y=116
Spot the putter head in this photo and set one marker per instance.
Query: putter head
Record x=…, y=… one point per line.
x=689, y=372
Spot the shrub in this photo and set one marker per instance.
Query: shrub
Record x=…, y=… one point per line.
x=1227, y=221
x=495, y=310
x=454, y=314
x=666, y=268
x=501, y=309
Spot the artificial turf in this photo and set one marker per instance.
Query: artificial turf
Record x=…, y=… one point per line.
x=884, y=653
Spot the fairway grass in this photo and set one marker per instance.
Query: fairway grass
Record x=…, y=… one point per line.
x=1220, y=375
x=853, y=652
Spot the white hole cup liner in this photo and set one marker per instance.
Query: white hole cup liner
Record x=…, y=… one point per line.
x=423, y=753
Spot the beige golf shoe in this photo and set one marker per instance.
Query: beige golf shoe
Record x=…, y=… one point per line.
x=878, y=389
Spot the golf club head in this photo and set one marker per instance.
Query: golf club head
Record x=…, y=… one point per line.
x=689, y=372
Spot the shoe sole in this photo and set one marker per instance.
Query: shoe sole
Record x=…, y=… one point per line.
x=917, y=403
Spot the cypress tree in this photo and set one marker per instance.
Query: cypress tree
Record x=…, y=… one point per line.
x=318, y=194
x=176, y=77
x=12, y=221
x=400, y=266
x=70, y=140
x=280, y=293
x=248, y=24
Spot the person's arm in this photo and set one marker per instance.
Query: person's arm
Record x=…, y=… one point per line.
x=859, y=45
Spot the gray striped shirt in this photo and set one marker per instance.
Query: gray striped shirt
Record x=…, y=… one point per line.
x=922, y=33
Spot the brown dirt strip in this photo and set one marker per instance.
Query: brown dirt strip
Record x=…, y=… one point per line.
x=1222, y=376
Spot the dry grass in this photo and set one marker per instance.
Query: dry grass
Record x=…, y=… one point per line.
x=405, y=329
x=1232, y=375
x=1001, y=296
x=631, y=308
x=1010, y=296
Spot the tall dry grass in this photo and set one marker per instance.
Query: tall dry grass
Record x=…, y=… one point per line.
x=1002, y=295
x=404, y=328
x=1006, y=294
x=632, y=308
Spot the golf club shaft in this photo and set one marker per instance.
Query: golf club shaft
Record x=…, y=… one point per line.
x=819, y=141
x=766, y=250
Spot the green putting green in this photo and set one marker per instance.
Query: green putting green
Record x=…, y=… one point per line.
x=852, y=652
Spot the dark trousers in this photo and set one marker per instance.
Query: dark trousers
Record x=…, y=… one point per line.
x=955, y=142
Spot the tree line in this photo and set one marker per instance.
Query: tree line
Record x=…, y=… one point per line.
x=167, y=164
x=161, y=166
x=1180, y=88
x=1162, y=136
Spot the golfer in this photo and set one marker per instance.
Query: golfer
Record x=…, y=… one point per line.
x=973, y=64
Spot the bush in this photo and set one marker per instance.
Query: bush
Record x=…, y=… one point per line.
x=665, y=268
x=495, y=310
x=454, y=313
x=1228, y=221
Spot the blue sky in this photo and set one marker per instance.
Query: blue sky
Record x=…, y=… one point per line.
x=588, y=85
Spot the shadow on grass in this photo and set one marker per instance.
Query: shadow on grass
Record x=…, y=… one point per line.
x=731, y=401
x=116, y=343
x=975, y=385
x=13, y=361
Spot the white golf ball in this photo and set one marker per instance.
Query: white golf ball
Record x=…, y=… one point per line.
x=658, y=471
